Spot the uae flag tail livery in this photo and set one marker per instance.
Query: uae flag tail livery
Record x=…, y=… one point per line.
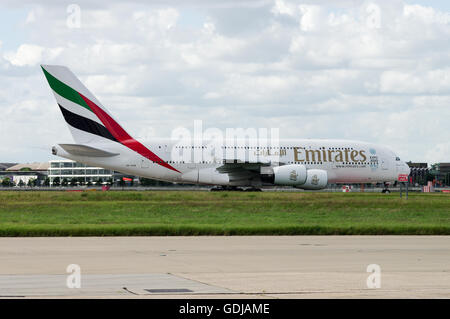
x=88, y=120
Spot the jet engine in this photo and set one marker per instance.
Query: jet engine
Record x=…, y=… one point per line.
x=296, y=175
x=316, y=179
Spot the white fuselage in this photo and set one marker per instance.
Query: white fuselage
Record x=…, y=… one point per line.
x=196, y=162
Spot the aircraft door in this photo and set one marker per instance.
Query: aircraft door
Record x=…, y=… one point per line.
x=384, y=163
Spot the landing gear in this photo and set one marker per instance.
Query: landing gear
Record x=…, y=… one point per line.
x=253, y=189
x=386, y=189
x=226, y=188
x=234, y=189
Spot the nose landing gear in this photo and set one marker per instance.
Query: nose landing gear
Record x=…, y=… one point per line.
x=386, y=190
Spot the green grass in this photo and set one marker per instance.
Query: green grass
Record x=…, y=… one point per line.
x=220, y=213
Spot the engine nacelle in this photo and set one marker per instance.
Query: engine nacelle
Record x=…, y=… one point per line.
x=298, y=176
x=316, y=179
x=289, y=175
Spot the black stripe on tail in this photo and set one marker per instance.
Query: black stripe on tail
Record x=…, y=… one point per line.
x=85, y=124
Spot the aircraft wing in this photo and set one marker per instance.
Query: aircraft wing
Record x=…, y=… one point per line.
x=240, y=171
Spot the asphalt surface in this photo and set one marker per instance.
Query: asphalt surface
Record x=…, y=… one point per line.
x=227, y=267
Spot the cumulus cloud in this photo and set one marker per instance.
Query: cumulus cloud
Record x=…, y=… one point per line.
x=438, y=153
x=426, y=14
x=377, y=70
x=417, y=82
x=31, y=55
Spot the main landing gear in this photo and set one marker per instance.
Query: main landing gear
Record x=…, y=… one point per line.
x=226, y=188
x=234, y=189
x=386, y=189
x=253, y=189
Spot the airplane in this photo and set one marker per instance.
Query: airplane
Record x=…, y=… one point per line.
x=309, y=164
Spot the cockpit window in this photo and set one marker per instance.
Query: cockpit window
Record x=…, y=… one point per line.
x=397, y=158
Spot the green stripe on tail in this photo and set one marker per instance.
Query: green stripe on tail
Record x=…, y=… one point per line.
x=64, y=90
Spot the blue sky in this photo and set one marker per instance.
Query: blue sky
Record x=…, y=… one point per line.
x=441, y=5
x=12, y=33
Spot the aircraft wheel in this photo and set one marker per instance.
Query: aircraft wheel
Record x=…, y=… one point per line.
x=253, y=189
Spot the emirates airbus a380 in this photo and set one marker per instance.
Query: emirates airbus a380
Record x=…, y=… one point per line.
x=302, y=163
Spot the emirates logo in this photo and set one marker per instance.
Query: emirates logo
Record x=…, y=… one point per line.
x=293, y=176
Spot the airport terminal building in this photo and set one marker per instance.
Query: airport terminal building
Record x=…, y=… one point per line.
x=25, y=173
x=419, y=173
x=60, y=170
x=60, y=173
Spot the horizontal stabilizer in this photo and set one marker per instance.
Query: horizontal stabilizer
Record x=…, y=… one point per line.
x=83, y=150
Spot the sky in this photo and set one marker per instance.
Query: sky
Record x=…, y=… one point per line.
x=375, y=71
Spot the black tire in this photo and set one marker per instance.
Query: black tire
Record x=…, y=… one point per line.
x=253, y=189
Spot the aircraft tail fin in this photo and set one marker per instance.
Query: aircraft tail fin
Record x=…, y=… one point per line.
x=87, y=118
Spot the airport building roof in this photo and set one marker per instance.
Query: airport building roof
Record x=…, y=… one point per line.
x=4, y=166
x=417, y=165
x=31, y=166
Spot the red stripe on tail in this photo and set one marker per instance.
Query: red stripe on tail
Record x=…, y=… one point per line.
x=122, y=136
